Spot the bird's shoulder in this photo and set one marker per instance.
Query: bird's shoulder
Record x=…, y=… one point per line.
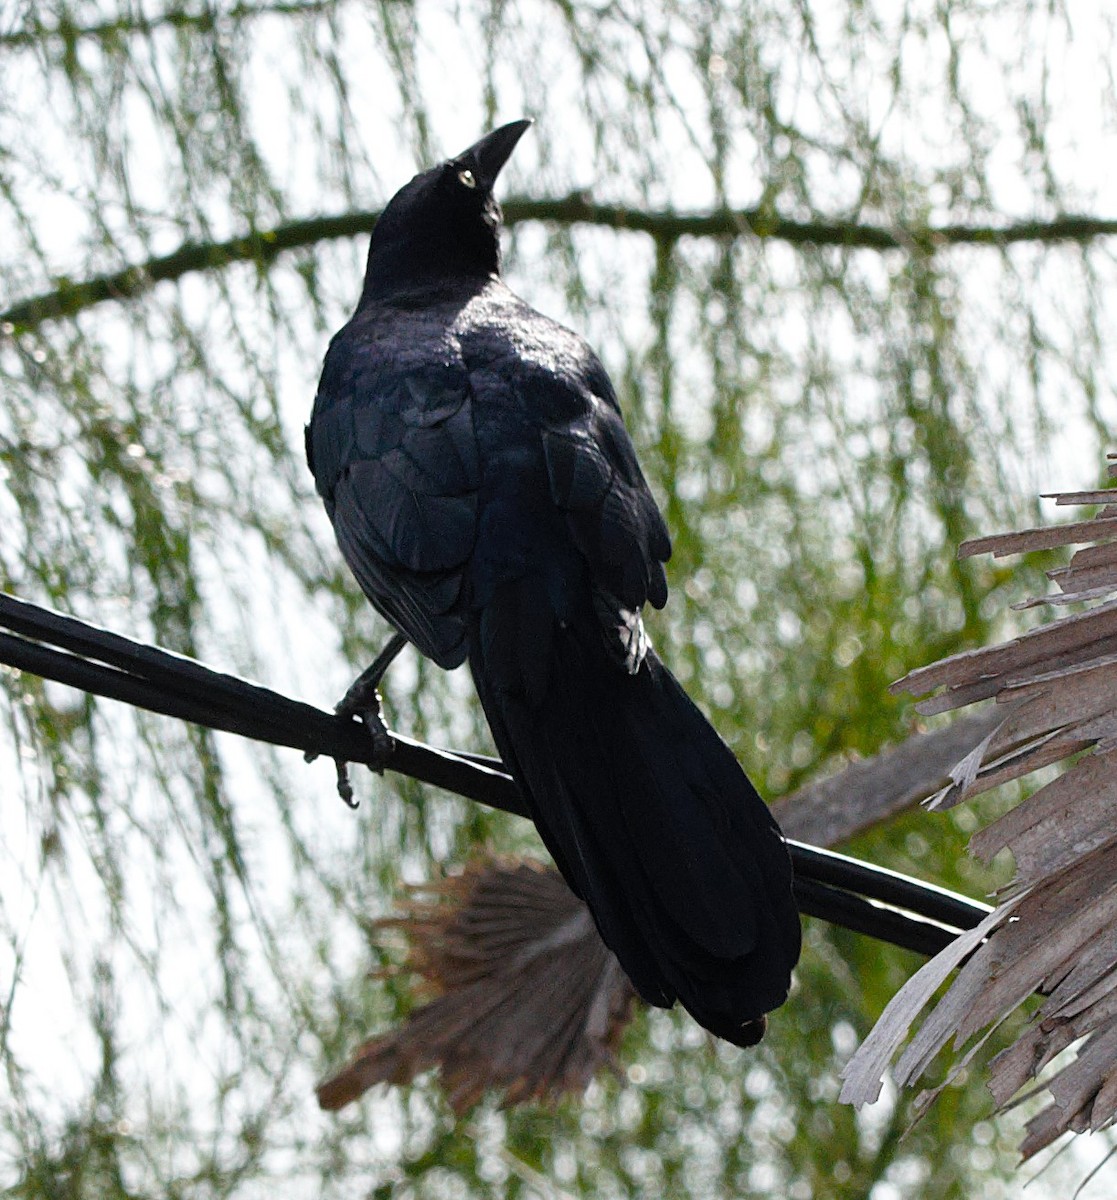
x=383, y=344
x=502, y=338
x=485, y=337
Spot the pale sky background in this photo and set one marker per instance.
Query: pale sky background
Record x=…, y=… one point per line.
x=48, y=1015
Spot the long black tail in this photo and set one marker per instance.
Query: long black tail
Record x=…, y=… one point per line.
x=650, y=819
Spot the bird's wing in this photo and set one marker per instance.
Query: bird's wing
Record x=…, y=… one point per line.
x=610, y=512
x=594, y=477
x=394, y=454
x=611, y=515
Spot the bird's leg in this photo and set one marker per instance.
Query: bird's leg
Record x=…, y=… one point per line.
x=362, y=700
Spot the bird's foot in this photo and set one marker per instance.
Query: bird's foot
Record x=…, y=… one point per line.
x=362, y=701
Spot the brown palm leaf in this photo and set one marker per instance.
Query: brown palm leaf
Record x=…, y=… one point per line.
x=528, y=999
x=1055, y=929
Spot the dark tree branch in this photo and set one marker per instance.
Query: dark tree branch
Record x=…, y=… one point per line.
x=70, y=297
x=830, y=886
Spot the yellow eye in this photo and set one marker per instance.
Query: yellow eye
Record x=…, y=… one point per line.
x=465, y=177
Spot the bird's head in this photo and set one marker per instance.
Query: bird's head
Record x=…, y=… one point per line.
x=445, y=224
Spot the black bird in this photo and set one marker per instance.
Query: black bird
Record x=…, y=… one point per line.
x=485, y=493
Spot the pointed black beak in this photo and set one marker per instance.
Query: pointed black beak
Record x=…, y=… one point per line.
x=486, y=157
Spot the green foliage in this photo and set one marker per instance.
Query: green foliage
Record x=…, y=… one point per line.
x=183, y=920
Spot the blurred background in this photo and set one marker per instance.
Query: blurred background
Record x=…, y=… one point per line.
x=847, y=263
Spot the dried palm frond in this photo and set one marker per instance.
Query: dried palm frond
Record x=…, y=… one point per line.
x=1055, y=928
x=528, y=999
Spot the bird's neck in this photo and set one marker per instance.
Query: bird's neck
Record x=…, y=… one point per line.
x=457, y=264
x=422, y=287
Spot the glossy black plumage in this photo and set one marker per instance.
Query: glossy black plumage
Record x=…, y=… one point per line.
x=485, y=494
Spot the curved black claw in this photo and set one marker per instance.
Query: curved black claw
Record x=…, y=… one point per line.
x=344, y=787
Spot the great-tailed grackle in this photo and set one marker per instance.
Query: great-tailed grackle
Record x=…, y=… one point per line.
x=486, y=495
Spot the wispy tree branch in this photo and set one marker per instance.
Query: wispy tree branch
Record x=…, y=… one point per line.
x=71, y=297
x=36, y=32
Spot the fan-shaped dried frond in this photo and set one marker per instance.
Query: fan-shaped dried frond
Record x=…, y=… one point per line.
x=1055, y=931
x=528, y=999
